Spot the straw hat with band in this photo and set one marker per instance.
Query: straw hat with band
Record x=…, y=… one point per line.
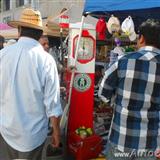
x=29, y=18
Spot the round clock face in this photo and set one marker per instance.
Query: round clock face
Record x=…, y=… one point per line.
x=85, y=51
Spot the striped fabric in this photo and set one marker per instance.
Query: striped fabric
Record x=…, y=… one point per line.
x=134, y=80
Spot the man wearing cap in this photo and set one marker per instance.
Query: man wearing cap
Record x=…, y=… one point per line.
x=134, y=80
x=29, y=93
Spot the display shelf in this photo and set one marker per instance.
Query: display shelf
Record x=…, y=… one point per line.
x=124, y=42
x=100, y=63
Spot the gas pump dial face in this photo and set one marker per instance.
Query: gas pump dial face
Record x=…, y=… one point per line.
x=85, y=51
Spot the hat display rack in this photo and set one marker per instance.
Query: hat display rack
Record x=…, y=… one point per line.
x=124, y=30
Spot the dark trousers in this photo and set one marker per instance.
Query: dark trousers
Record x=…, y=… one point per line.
x=8, y=153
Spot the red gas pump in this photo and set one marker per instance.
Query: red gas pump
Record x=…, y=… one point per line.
x=82, y=97
x=81, y=105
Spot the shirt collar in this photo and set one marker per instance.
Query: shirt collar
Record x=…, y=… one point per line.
x=28, y=40
x=150, y=49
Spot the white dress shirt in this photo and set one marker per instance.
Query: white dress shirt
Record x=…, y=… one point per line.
x=29, y=94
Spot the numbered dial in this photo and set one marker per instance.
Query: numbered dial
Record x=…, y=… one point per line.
x=85, y=51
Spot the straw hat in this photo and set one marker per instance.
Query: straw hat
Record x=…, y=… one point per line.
x=29, y=18
x=51, y=28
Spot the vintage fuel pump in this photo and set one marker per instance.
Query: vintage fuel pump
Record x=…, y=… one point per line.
x=82, y=98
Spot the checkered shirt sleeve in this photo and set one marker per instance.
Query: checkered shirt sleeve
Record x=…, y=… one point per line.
x=109, y=83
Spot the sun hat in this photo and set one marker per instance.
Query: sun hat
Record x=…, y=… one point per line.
x=51, y=26
x=128, y=28
x=113, y=24
x=29, y=18
x=53, y=29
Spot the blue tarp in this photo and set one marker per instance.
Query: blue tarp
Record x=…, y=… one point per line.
x=139, y=9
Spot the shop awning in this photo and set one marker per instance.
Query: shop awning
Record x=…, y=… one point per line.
x=138, y=9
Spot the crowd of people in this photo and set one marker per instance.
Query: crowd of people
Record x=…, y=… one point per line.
x=30, y=94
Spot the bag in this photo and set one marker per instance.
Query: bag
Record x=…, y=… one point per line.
x=85, y=148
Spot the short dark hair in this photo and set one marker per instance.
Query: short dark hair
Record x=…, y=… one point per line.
x=2, y=40
x=44, y=36
x=30, y=32
x=150, y=29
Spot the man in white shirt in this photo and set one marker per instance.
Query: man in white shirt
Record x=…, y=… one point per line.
x=29, y=93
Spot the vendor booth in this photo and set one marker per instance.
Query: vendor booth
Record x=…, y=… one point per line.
x=118, y=37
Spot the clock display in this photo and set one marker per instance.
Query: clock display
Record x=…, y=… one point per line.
x=85, y=51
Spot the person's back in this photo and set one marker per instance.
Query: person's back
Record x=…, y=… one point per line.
x=135, y=81
x=22, y=86
x=137, y=100
x=30, y=95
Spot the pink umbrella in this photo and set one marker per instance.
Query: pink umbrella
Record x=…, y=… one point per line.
x=4, y=26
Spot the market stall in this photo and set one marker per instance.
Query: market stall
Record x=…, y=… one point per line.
x=138, y=10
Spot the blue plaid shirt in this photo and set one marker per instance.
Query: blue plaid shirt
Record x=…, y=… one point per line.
x=134, y=80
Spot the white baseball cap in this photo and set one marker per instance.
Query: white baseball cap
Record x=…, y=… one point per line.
x=113, y=24
x=128, y=28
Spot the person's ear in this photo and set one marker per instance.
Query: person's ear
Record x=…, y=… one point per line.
x=141, y=39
